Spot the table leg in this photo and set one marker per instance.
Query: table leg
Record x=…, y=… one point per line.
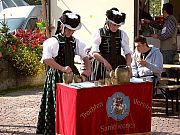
x=171, y=94
x=177, y=76
x=166, y=95
x=177, y=92
x=177, y=100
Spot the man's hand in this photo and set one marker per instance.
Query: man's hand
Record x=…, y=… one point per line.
x=142, y=62
x=146, y=21
x=66, y=69
x=154, y=36
x=86, y=73
x=107, y=65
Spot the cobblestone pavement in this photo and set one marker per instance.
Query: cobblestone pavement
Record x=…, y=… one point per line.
x=19, y=112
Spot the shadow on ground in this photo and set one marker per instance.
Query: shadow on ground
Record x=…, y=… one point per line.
x=16, y=129
x=21, y=91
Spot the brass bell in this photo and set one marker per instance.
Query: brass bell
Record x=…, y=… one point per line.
x=107, y=81
x=67, y=77
x=122, y=74
x=77, y=78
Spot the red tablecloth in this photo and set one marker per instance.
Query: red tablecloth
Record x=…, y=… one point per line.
x=108, y=110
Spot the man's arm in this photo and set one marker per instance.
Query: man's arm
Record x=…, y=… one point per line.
x=168, y=30
x=99, y=58
x=52, y=63
x=153, y=24
x=128, y=59
x=87, y=64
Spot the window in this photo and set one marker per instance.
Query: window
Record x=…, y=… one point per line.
x=31, y=25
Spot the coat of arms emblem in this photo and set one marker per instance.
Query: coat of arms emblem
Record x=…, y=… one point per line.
x=118, y=106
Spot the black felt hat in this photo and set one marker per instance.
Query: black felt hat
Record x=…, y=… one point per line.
x=114, y=16
x=70, y=20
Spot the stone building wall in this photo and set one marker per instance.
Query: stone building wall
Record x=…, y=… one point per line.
x=9, y=78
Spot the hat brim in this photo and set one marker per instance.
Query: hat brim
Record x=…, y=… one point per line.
x=71, y=28
x=122, y=23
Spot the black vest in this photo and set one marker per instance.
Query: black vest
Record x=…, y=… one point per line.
x=110, y=47
x=66, y=52
x=106, y=41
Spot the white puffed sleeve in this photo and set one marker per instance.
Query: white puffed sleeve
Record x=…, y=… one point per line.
x=96, y=41
x=125, y=43
x=50, y=48
x=80, y=48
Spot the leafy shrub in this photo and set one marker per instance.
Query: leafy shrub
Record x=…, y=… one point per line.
x=22, y=49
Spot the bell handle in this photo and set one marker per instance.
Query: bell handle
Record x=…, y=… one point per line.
x=119, y=66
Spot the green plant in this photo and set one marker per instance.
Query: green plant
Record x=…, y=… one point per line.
x=155, y=7
x=27, y=61
x=22, y=49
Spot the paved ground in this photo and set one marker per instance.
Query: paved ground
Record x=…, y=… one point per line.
x=19, y=111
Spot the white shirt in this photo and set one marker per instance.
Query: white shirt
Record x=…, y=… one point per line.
x=97, y=41
x=51, y=48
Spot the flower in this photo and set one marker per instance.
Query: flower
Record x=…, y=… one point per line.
x=40, y=24
x=22, y=49
x=14, y=47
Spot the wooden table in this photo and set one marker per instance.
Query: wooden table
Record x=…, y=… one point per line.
x=175, y=67
x=172, y=90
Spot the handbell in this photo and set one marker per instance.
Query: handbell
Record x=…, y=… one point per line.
x=67, y=77
x=107, y=81
x=77, y=78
